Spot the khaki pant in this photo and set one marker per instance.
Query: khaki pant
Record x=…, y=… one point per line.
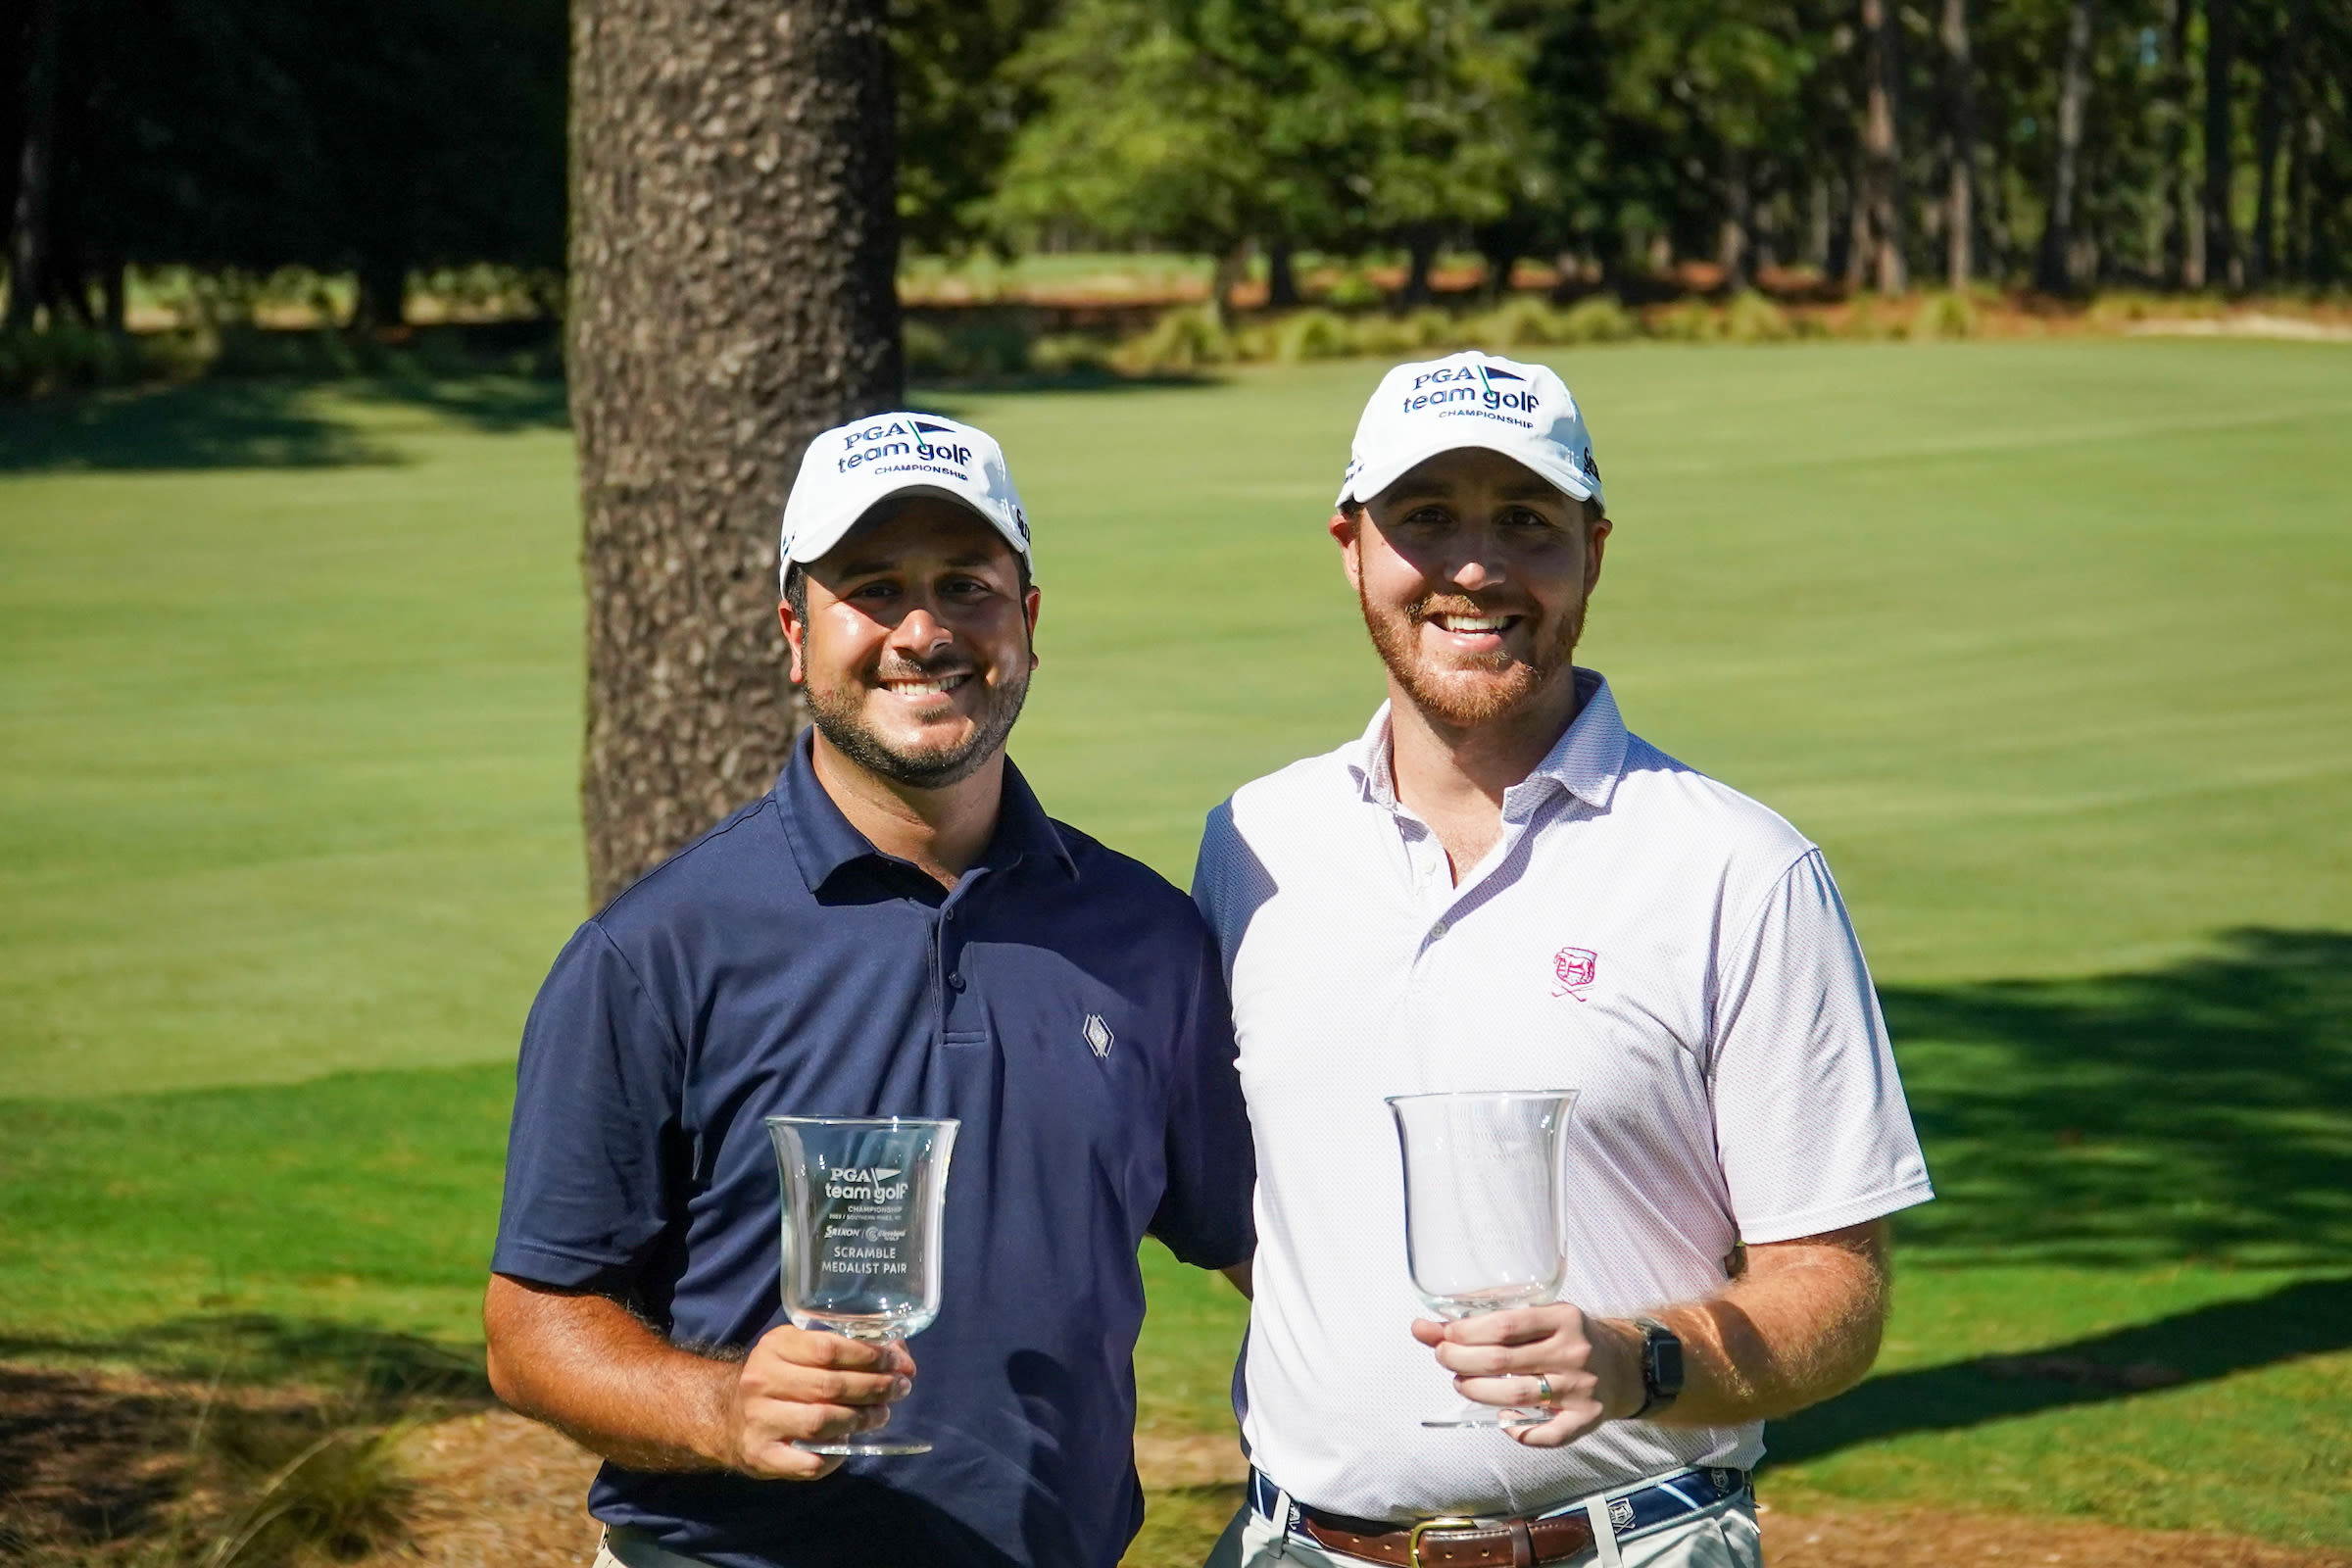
x=1721, y=1537
x=637, y=1552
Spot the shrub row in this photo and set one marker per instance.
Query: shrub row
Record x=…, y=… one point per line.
x=1188, y=340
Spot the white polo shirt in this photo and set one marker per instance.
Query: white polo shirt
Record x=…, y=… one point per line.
x=1640, y=933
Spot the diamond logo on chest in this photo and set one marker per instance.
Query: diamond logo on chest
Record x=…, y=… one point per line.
x=1099, y=1038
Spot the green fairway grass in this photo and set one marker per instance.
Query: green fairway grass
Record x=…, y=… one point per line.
x=2044, y=642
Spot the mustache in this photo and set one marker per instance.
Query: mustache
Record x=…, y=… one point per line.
x=1430, y=605
x=897, y=667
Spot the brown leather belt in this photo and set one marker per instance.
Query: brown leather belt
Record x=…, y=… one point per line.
x=1453, y=1543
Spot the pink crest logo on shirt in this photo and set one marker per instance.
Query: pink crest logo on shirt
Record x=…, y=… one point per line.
x=1572, y=971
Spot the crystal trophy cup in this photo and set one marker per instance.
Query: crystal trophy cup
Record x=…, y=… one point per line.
x=1482, y=1209
x=863, y=1198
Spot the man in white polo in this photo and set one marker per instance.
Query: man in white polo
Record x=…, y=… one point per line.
x=1498, y=887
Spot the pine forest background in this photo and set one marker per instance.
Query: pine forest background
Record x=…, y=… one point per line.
x=378, y=164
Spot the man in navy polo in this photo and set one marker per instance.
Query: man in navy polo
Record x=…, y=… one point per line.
x=896, y=929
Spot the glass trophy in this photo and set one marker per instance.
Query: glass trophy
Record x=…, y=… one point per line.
x=863, y=1198
x=1483, y=1177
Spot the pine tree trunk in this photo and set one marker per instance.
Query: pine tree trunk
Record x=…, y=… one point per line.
x=2221, y=53
x=1281, y=281
x=1881, y=150
x=733, y=257
x=1735, y=240
x=2054, y=274
x=2269, y=123
x=32, y=250
x=1960, y=214
x=381, y=296
x=1421, y=255
x=2176, y=190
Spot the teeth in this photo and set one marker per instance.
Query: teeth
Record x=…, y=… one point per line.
x=926, y=688
x=1473, y=622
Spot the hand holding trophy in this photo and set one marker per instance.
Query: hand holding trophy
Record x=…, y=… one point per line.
x=1482, y=1209
x=863, y=1201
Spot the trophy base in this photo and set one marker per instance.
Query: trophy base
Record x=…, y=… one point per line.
x=1490, y=1419
x=854, y=1446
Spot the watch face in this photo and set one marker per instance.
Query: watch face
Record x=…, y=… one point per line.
x=1667, y=1351
x=1661, y=1361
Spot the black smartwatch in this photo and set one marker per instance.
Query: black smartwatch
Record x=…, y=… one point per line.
x=1661, y=1366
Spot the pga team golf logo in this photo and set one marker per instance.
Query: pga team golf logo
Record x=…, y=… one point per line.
x=1572, y=971
x=902, y=438
x=1480, y=386
x=865, y=1184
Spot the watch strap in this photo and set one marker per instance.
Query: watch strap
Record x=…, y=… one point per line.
x=1661, y=1366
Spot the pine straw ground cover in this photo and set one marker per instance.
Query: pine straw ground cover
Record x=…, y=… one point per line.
x=118, y=1472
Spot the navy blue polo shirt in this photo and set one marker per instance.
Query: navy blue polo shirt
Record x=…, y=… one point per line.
x=782, y=965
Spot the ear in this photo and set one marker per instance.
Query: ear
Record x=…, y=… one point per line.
x=1348, y=530
x=794, y=631
x=1597, y=539
x=1029, y=614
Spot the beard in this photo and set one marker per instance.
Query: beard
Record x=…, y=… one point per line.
x=838, y=712
x=1456, y=704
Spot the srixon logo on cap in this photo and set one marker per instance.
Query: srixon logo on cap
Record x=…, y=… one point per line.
x=1473, y=384
x=902, y=438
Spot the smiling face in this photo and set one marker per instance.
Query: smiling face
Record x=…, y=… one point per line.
x=913, y=637
x=1473, y=573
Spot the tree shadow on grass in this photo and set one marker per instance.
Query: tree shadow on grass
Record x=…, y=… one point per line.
x=258, y=423
x=2199, y=1113
x=351, y=1361
x=2307, y=1318
x=215, y=424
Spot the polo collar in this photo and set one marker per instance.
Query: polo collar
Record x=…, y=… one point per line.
x=823, y=841
x=1586, y=762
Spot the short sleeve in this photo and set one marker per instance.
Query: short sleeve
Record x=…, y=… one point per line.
x=1204, y=1215
x=597, y=1099
x=1811, y=1127
x=1230, y=884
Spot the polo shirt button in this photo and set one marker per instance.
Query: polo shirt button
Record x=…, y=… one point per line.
x=955, y=982
x=1437, y=931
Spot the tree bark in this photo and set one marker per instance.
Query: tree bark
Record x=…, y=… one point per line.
x=1960, y=213
x=2054, y=274
x=32, y=252
x=733, y=258
x=1881, y=149
x=2220, y=54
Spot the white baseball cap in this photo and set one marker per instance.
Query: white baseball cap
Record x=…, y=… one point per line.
x=851, y=469
x=1470, y=398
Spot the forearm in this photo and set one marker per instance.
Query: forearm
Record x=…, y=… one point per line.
x=585, y=1367
x=1800, y=1326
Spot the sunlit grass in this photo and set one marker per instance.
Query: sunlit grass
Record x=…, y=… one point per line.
x=2043, y=642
